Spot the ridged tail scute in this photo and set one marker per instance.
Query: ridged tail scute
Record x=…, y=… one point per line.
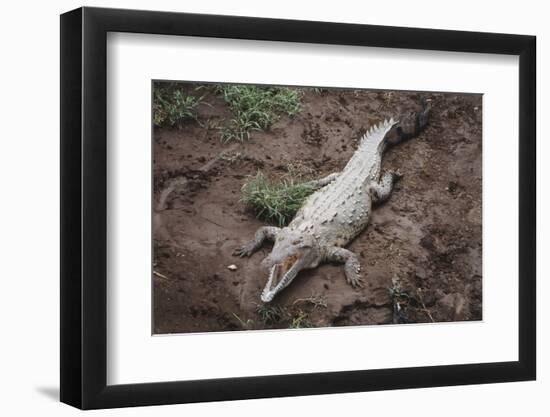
x=376, y=133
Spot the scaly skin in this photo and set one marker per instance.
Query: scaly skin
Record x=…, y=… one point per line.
x=334, y=215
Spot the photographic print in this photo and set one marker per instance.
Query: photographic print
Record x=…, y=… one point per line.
x=210, y=202
x=278, y=207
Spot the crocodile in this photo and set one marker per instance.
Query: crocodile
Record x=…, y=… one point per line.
x=331, y=217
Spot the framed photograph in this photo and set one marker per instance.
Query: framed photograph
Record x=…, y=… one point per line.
x=258, y=208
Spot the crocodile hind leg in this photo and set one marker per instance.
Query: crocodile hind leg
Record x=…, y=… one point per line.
x=381, y=190
x=262, y=234
x=352, y=267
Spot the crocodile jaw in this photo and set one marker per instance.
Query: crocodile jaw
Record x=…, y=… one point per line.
x=284, y=279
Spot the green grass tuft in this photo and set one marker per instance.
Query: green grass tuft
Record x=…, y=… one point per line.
x=271, y=314
x=256, y=108
x=171, y=106
x=275, y=201
x=300, y=321
x=277, y=315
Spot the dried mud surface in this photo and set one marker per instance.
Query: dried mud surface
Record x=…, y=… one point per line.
x=420, y=254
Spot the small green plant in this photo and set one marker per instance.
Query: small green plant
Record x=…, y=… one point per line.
x=256, y=108
x=387, y=97
x=275, y=201
x=318, y=90
x=300, y=321
x=397, y=293
x=271, y=314
x=171, y=107
x=400, y=300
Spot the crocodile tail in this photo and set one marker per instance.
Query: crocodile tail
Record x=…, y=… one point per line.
x=409, y=125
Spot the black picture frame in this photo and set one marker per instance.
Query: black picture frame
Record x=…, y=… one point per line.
x=84, y=207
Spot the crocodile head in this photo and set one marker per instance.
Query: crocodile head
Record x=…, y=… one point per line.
x=291, y=253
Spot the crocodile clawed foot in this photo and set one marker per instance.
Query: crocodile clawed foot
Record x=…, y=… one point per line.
x=244, y=251
x=355, y=281
x=353, y=278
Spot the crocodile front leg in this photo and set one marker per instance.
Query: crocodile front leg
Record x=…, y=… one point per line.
x=262, y=234
x=352, y=267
